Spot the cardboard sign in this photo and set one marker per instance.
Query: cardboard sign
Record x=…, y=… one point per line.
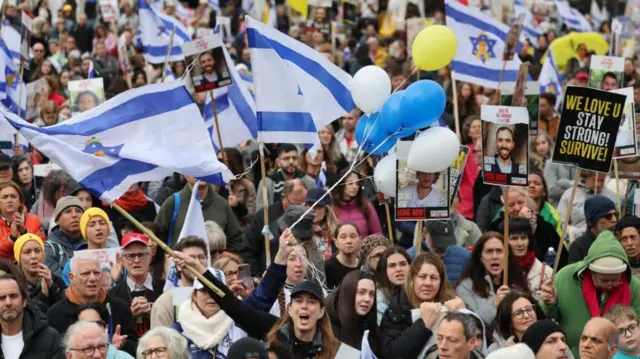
x=505, y=145
x=86, y=94
x=588, y=128
x=626, y=142
x=419, y=195
x=105, y=256
x=34, y=96
x=25, y=39
x=606, y=72
x=110, y=10
x=211, y=70
x=44, y=170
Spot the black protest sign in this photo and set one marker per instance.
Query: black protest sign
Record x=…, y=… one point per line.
x=588, y=128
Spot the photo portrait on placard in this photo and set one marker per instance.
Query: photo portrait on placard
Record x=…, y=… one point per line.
x=34, y=96
x=626, y=144
x=588, y=128
x=25, y=39
x=86, y=94
x=419, y=195
x=505, y=145
x=211, y=70
x=606, y=72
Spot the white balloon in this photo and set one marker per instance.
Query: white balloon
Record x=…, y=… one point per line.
x=384, y=175
x=433, y=150
x=370, y=88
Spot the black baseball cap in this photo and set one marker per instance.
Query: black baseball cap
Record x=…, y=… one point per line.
x=307, y=286
x=5, y=160
x=442, y=233
x=247, y=348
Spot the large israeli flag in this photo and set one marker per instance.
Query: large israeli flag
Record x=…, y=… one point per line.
x=298, y=91
x=11, y=83
x=155, y=33
x=529, y=29
x=572, y=17
x=480, y=47
x=143, y=134
x=247, y=82
x=550, y=78
x=236, y=110
x=598, y=15
x=11, y=37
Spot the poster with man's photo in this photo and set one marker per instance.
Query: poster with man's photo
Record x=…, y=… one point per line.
x=34, y=96
x=606, y=72
x=588, y=128
x=211, y=70
x=350, y=16
x=626, y=143
x=85, y=94
x=531, y=101
x=110, y=10
x=419, y=195
x=456, y=171
x=505, y=145
x=25, y=39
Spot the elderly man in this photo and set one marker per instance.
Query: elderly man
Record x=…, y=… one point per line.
x=456, y=338
x=85, y=340
x=599, y=339
x=628, y=233
x=547, y=340
x=26, y=334
x=588, y=288
x=626, y=322
x=85, y=287
x=66, y=237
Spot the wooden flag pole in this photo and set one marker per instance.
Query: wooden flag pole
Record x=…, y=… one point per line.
x=565, y=228
x=595, y=189
x=166, y=58
x=16, y=136
x=265, y=204
x=389, y=226
x=215, y=118
x=166, y=249
x=617, y=174
x=418, y=238
x=624, y=202
x=505, y=240
x=456, y=111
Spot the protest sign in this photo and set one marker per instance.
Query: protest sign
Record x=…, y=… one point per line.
x=626, y=145
x=34, y=96
x=456, y=171
x=86, y=94
x=419, y=195
x=110, y=10
x=105, y=256
x=531, y=101
x=588, y=128
x=211, y=70
x=43, y=170
x=25, y=39
x=505, y=145
x=606, y=72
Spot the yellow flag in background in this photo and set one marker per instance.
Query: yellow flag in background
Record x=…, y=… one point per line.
x=265, y=14
x=300, y=6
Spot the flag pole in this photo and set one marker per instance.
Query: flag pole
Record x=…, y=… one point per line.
x=166, y=249
x=418, y=238
x=215, y=118
x=265, y=204
x=16, y=137
x=389, y=226
x=456, y=111
x=595, y=189
x=624, y=202
x=617, y=174
x=505, y=240
x=166, y=58
x=565, y=229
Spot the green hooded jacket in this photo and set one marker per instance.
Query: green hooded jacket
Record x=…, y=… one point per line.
x=570, y=309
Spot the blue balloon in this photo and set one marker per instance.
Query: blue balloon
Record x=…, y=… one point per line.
x=390, y=113
x=368, y=131
x=362, y=128
x=423, y=103
x=385, y=147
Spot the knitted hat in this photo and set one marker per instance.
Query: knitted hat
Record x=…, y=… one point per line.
x=370, y=242
x=304, y=228
x=64, y=203
x=22, y=240
x=628, y=221
x=90, y=213
x=608, y=265
x=517, y=226
x=247, y=348
x=538, y=332
x=596, y=207
x=519, y=351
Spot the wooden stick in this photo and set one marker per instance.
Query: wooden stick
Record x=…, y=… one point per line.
x=215, y=118
x=166, y=58
x=624, y=202
x=456, y=112
x=389, y=226
x=505, y=240
x=16, y=137
x=495, y=100
x=617, y=174
x=418, y=238
x=265, y=204
x=567, y=218
x=166, y=249
x=595, y=189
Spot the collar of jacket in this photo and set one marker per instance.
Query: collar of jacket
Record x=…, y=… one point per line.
x=287, y=334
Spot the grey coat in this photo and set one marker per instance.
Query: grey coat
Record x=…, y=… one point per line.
x=481, y=306
x=559, y=178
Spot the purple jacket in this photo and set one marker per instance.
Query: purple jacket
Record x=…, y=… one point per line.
x=349, y=212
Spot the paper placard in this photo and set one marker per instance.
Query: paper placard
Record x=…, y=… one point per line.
x=109, y=9
x=626, y=143
x=25, y=39
x=606, y=72
x=86, y=94
x=211, y=70
x=34, y=95
x=347, y=352
x=43, y=170
x=104, y=255
x=532, y=99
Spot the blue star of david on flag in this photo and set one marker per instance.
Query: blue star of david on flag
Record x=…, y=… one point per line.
x=483, y=47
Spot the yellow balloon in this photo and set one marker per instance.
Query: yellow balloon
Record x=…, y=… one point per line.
x=434, y=48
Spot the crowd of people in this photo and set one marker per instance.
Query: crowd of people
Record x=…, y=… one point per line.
x=345, y=277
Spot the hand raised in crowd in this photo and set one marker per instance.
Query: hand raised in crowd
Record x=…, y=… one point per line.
x=182, y=259
x=502, y=292
x=239, y=287
x=118, y=339
x=548, y=293
x=455, y=304
x=233, y=200
x=286, y=245
x=47, y=279
x=140, y=306
x=429, y=313
x=510, y=341
x=116, y=268
x=17, y=226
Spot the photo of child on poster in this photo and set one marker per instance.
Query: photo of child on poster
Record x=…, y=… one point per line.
x=86, y=94
x=606, y=72
x=588, y=128
x=626, y=140
x=419, y=195
x=505, y=145
x=211, y=70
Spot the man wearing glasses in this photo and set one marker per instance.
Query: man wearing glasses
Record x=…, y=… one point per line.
x=86, y=340
x=141, y=289
x=626, y=322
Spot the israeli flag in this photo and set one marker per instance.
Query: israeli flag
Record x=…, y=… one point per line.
x=180, y=10
x=10, y=83
x=11, y=37
x=247, y=82
x=215, y=5
x=480, y=47
x=550, y=78
x=7, y=139
x=529, y=29
x=168, y=74
x=134, y=137
x=155, y=33
x=572, y=17
x=92, y=71
x=298, y=91
x=598, y=15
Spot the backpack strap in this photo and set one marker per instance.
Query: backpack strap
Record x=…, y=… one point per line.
x=174, y=216
x=57, y=249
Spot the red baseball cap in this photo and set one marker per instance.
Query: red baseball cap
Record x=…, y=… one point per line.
x=133, y=238
x=582, y=75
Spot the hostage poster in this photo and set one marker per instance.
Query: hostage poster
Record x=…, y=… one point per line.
x=588, y=128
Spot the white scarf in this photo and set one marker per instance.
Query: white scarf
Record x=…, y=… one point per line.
x=204, y=333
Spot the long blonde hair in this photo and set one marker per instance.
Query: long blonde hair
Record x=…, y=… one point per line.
x=444, y=293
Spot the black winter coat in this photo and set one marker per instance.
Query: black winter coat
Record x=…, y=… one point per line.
x=401, y=337
x=40, y=340
x=44, y=302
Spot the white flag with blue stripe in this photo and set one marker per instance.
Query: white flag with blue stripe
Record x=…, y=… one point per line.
x=11, y=83
x=529, y=29
x=236, y=110
x=598, y=15
x=298, y=91
x=550, y=78
x=155, y=33
x=480, y=47
x=572, y=17
x=143, y=134
x=247, y=82
x=92, y=71
x=11, y=38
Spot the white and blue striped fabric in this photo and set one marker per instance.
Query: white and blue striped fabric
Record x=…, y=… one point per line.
x=11, y=38
x=550, y=78
x=133, y=137
x=11, y=82
x=529, y=29
x=247, y=82
x=298, y=91
x=7, y=139
x=572, y=17
x=168, y=74
x=155, y=32
x=236, y=111
x=92, y=71
x=215, y=5
x=180, y=10
x=598, y=15
x=481, y=45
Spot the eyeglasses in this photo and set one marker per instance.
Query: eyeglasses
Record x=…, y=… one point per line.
x=102, y=348
x=159, y=352
x=632, y=328
x=609, y=216
x=529, y=309
x=133, y=256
